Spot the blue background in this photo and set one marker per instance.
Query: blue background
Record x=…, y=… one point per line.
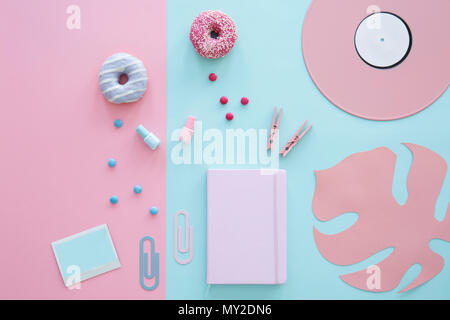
x=267, y=66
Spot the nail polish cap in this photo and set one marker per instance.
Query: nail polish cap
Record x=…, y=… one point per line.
x=190, y=122
x=142, y=131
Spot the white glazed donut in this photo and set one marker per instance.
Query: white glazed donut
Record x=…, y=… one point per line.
x=117, y=65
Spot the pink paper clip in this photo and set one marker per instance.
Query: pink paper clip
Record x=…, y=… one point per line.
x=188, y=130
x=294, y=140
x=274, y=128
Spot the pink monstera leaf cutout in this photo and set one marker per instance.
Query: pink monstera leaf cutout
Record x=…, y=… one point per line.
x=362, y=183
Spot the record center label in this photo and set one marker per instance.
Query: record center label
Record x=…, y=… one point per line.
x=383, y=40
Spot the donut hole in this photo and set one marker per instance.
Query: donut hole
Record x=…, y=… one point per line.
x=123, y=78
x=214, y=34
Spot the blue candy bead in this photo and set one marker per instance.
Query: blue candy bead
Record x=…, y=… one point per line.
x=112, y=162
x=137, y=189
x=114, y=199
x=118, y=123
x=153, y=210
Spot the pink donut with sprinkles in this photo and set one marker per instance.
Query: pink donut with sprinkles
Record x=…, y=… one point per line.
x=213, y=34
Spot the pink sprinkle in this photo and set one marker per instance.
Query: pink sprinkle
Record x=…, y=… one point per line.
x=213, y=77
x=229, y=116
x=244, y=101
x=224, y=100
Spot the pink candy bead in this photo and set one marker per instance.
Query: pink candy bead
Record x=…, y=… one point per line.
x=224, y=100
x=213, y=77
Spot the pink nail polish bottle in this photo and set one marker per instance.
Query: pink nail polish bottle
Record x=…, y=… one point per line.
x=188, y=130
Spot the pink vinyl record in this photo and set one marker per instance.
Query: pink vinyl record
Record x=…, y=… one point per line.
x=381, y=62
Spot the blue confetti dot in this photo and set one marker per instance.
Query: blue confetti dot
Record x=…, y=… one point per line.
x=114, y=199
x=112, y=162
x=118, y=123
x=153, y=210
x=137, y=189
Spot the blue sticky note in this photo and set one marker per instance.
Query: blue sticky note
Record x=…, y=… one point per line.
x=85, y=255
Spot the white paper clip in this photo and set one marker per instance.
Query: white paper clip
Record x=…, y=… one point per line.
x=154, y=264
x=178, y=240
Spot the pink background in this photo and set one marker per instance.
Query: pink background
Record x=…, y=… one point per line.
x=57, y=133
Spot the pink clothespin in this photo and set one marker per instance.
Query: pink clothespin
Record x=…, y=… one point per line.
x=294, y=140
x=274, y=128
x=188, y=130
